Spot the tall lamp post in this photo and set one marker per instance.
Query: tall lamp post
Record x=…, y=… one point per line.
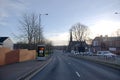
x=117, y=12
x=40, y=24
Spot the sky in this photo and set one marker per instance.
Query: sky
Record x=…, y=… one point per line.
x=98, y=15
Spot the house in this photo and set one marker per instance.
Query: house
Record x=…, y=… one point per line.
x=6, y=42
x=107, y=43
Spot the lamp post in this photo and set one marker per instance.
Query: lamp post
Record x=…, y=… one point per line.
x=117, y=12
x=40, y=24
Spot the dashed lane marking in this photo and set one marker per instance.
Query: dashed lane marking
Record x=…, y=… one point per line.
x=77, y=74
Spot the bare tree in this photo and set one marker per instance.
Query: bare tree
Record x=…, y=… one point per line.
x=80, y=32
x=49, y=46
x=118, y=32
x=31, y=29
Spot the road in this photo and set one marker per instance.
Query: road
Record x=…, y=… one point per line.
x=63, y=67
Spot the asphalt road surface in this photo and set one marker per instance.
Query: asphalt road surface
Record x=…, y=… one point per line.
x=63, y=67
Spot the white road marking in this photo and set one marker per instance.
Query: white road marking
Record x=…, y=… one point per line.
x=28, y=77
x=78, y=74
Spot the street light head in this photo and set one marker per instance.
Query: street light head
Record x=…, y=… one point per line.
x=43, y=14
x=116, y=12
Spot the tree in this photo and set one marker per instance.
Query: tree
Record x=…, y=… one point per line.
x=80, y=32
x=118, y=32
x=30, y=29
x=49, y=47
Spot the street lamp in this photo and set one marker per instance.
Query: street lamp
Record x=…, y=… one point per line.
x=40, y=24
x=117, y=13
x=40, y=18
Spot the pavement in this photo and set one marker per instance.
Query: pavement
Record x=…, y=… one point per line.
x=19, y=71
x=63, y=67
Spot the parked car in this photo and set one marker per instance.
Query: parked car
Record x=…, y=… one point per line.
x=105, y=54
x=72, y=51
x=89, y=53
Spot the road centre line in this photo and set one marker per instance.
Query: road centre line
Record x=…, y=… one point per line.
x=77, y=74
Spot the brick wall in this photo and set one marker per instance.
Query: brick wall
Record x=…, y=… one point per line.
x=3, y=52
x=34, y=53
x=25, y=55
x=12, y=57
x=8, y=56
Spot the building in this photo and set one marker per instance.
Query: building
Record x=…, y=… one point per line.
x=78, y=46
x=107, y=43
x=6, y=42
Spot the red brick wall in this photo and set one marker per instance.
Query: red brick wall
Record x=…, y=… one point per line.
x=33, y=53
x=3, y=52
x=12, y=57
x=25, y=55
x=8, y=56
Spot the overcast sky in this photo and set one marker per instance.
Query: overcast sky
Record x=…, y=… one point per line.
x=98, y=15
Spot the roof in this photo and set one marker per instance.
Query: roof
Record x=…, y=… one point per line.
x=2, y=39
x=107, y=38
x=97, y=38
x=77, y=43
x=113, y=38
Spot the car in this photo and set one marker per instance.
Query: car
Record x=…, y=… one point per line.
x=89, y=53
x=105, y=54
x=72, y=51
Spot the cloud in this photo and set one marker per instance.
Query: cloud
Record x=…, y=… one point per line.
x=59, y=38
x=104, y=27
x=2, y=14
x=3, y=24
x=10, y=8
x=2, y=18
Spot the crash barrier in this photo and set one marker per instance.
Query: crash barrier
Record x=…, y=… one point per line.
x=8, y=56
x=113, y=60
